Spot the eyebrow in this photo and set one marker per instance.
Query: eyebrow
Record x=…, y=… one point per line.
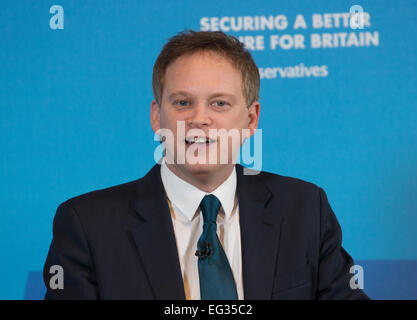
x=186, y=94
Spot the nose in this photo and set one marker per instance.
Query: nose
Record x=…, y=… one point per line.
x=199, y=116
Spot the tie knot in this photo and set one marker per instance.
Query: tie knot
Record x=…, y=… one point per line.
x=210, y=206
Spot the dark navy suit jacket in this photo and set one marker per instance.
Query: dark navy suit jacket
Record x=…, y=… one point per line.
x=119, y=243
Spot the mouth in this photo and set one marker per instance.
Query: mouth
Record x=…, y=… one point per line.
x=199, y=140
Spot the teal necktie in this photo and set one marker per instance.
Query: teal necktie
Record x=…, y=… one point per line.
x=216, y=277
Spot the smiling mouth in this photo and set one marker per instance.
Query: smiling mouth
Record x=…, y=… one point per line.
x=199, y=140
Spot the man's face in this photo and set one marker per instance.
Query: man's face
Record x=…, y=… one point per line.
x=202, y=92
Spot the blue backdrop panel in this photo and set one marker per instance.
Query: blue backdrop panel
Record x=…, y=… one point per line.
x=339, y=110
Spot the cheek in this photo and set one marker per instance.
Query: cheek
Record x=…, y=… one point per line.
x=238, y=121
x=168, y=121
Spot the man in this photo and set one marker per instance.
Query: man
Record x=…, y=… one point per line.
x=196, y=226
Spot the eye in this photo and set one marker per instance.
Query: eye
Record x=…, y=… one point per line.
x=181, y=103
x=220, y=103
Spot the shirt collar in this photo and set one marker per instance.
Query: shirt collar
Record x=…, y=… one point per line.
x=188, y=197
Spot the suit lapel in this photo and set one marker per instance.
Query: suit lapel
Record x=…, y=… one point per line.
x=154, y=236
x=260, y=225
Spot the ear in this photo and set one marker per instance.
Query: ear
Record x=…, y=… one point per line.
x=253, y=117
x=155, y=116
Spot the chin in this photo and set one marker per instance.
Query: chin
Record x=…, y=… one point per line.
x=201, y=167
x=204, y=169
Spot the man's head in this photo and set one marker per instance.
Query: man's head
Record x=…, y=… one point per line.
x=187, y=43
x=206, y=87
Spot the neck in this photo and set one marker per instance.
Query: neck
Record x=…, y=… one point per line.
x=205, y=180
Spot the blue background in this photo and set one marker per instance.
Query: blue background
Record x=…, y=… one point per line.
x=74, y=117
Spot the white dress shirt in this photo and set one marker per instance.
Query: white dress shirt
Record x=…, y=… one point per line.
x=184, y=201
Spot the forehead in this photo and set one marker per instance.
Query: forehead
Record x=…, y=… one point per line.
x=203, y=71
x=203, y=56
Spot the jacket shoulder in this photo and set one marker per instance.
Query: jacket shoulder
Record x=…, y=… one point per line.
x=115, y=200
x=102, y=207
x=284, y=184
x=105, y=196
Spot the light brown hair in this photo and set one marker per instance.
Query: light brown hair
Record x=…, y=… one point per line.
x=189, y=42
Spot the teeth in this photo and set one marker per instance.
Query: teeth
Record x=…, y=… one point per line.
x=198, y=140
